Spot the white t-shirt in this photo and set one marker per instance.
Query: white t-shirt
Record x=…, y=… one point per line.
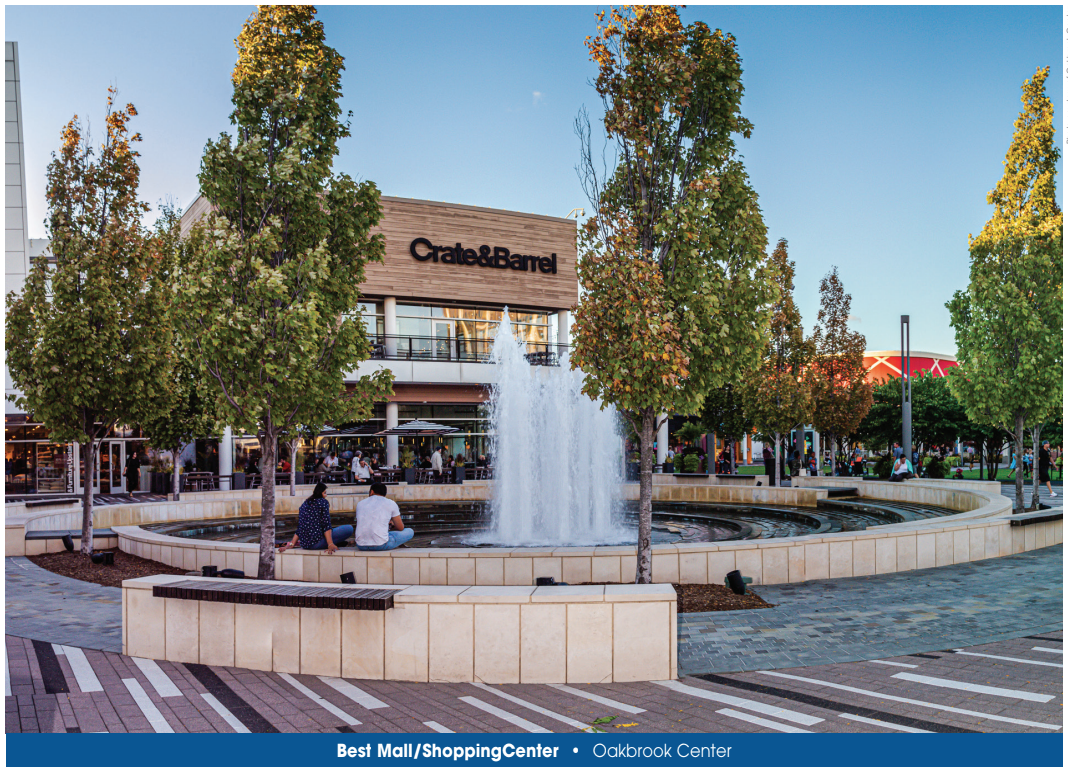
x=372, y=520
x=362, y=471
x=435, y=463
x=331, y=461
x=901, y=469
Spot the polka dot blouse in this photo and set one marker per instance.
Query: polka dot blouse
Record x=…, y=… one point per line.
x=313, y=521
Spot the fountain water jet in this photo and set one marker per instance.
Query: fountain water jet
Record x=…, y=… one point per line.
x=556, y=455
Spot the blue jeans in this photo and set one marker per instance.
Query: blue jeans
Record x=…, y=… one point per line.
x=396, y=538
x=339, y=534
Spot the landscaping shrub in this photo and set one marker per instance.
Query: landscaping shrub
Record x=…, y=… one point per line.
x=936, y=468
x=884, y=466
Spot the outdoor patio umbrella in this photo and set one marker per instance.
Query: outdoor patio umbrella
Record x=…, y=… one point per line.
x=419, y=428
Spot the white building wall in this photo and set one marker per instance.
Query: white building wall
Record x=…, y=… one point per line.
x=16, y=242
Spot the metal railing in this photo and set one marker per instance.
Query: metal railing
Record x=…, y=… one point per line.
x=418, y=348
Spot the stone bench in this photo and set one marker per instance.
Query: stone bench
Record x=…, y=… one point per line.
x=50, y=541
x=482, y=634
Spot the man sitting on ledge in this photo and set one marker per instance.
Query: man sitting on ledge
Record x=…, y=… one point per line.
x=379, y=526
x=313, y=525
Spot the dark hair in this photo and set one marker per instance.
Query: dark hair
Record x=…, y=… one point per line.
x=320, y=489
x=378, y=488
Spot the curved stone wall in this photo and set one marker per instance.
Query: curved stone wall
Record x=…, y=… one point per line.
x=982, y=530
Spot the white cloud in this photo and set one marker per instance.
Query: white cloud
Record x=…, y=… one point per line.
x=538, y=98
x=854, y=319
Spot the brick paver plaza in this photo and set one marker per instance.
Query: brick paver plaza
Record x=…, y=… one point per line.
x=965, y=648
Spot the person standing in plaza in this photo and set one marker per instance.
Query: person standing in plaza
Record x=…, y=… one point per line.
x=769, y=464
x=133, y=472
x=1043, y=467
x=435, y=464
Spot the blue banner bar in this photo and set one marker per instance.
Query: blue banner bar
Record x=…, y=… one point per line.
x=578, y=750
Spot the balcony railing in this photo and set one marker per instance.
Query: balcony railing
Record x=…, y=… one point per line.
x=425, y=348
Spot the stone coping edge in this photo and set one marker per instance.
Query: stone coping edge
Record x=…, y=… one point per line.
x=474, y=594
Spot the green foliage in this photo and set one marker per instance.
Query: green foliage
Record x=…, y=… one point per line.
x=690, y=433
x=778, y=395
x=1009, y=321
x=84, y=338
x=276, y=266
x=937, y=417
x=691, y=463
x=672, y=260
x=884, y=465
x=935, y=468
x=407, y=457
x=184, y=410
x=724, y=413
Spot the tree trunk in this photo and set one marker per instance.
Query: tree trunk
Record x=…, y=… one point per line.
x=293, y=468
x=1036, y=434
x=176, y=479
x=269, y=446
x=644, y=573
x=1018, y=439
x=87, y=497
x=834, y=455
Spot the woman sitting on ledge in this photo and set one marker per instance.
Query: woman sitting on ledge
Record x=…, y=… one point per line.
x=314, y=532
x=379, y=526
x=902, y=469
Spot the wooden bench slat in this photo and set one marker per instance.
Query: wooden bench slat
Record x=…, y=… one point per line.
x=278, y=595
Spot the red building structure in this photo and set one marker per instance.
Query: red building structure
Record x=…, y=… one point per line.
x=887, y=364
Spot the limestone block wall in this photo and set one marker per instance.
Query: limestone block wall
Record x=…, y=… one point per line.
x=982, y=530
x=488, y=634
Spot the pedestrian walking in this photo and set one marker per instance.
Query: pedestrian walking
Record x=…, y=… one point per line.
x=1043, y=467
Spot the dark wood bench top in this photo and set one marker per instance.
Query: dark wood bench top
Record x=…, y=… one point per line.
x=279, y=594
x=746, y=476
x=1037, y=517
x=52, y=534
x=39, y=503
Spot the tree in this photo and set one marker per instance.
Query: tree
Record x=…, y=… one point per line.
x=185, y=411
x=937, y=417
x=1009, y=321
x=724, y=413
x=778, y=394
x=841, y=394
x=276, y=266
x=82, y=339
x=672, y=259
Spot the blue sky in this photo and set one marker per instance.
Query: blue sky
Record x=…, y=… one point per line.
x=878, y=130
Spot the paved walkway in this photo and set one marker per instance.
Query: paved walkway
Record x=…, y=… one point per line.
x=42, y=605
x=815, y=623
x=851, y=619
x=1009, y=490
x=1009, y=686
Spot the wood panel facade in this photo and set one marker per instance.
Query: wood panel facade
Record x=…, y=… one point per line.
x=518, y=235
x=443, y=224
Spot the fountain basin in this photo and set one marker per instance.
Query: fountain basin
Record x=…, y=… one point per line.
x=463, y=524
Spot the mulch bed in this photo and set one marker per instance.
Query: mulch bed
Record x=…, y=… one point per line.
x=702, y=598
x=74, y=565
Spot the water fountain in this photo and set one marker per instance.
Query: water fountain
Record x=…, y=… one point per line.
x=556, y=459
x=555, y=452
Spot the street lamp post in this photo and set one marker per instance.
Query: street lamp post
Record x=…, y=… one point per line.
x=906, y=389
